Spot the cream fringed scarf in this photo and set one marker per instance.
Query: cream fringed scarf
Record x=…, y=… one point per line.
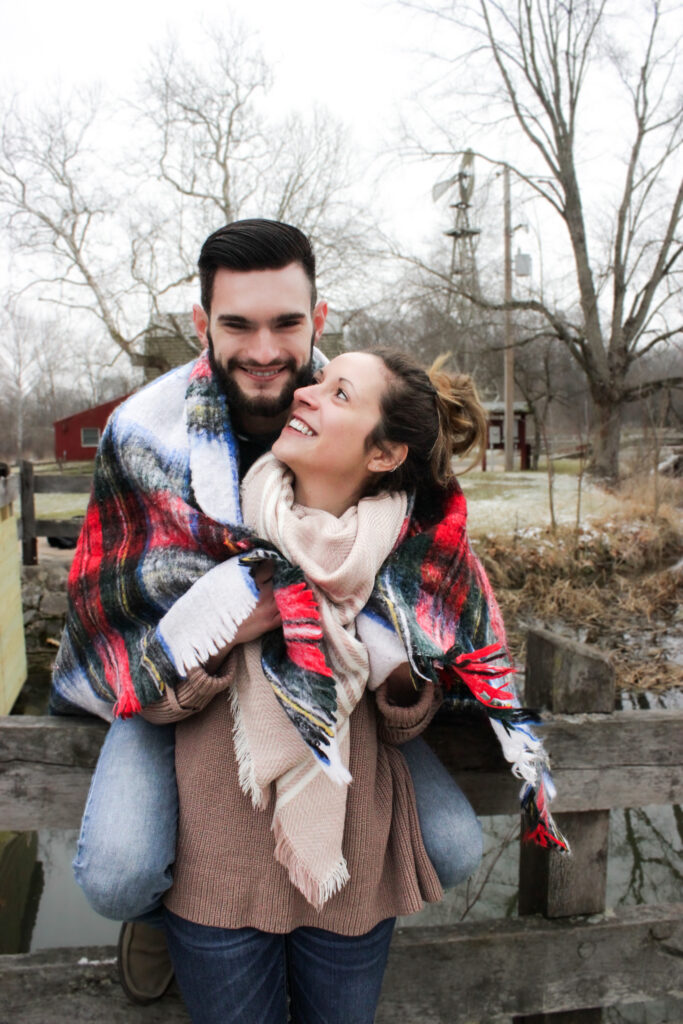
x=340, y=558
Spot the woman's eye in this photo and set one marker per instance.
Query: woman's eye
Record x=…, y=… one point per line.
x=342, y=394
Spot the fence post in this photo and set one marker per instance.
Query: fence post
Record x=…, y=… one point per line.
x=29, y=541
x=566, y=677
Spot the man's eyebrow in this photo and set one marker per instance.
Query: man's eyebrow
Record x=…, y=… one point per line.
x=233, y=320
x=297, y=316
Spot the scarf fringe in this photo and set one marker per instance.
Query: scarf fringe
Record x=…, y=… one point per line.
x=245, y=765
x=315, y=891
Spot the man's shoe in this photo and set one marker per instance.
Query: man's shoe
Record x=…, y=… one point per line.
x=145, y=970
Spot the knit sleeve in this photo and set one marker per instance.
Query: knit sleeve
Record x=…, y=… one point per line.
x=398, y=724
x=190, y=695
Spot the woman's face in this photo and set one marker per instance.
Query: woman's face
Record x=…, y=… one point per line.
x=324, y=440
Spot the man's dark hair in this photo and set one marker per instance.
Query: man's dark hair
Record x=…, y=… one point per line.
x=254, y=245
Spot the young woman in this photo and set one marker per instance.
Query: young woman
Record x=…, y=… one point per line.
x=298, y=844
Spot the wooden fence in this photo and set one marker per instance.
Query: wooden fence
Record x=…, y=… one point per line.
x=32, y=483
x=12, y=646
x=561, y=960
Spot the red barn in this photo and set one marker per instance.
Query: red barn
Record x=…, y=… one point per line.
x=77, y=436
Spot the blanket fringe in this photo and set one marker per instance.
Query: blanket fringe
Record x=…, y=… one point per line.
x=316, y=891
x=208, y=615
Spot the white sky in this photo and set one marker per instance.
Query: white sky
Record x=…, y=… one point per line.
x=360, y=59
x=357, y=58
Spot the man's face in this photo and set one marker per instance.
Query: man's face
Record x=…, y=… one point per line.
x=260, y=333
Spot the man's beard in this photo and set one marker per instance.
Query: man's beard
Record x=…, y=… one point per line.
x=268, y=406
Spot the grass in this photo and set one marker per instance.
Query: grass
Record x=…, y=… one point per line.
x=612, y=584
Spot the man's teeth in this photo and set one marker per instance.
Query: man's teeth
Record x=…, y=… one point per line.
x=296, y=424
x=263, y=373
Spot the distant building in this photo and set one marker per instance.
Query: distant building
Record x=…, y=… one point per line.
x=77, y=436
x=495, y=412
x=171, y=340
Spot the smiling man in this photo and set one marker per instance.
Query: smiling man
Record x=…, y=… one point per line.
x=193, y=434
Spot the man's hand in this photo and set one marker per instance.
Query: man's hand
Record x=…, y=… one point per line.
x=264, y=617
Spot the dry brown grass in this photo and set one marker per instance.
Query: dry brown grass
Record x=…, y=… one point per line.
x=612, y=584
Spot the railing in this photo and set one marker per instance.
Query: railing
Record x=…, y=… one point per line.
x=32, y=483
x=560, y=961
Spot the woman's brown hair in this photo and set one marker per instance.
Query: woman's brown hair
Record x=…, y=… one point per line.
x=436, y=414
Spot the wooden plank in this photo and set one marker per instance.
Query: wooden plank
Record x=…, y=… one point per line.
x=57, y=483
x=34, y=794
x=493, y=970
x=481, y=971
x=12, y=644
x=561, y=886
x=58, y=527
x=653, y=738
x=573, y=741
x=29, y=544
x=65, y=986
x=568, y=677
x=565, y=675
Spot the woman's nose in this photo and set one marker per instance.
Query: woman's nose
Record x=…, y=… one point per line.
x=307, y=395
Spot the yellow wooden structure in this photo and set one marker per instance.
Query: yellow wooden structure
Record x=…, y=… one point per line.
x=12, y=645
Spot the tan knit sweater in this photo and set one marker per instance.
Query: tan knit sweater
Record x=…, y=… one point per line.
x=225, y=873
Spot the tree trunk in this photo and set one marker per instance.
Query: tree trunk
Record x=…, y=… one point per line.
x=606, y=437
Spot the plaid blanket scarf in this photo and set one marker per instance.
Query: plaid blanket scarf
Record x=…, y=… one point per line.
x=160, y=581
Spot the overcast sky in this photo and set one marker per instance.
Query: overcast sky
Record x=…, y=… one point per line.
x=358, y=58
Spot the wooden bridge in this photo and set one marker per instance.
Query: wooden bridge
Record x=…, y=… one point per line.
x=562, y=959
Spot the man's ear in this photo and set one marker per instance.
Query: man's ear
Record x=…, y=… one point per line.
x=201, y=322
x=319, y=318
x=387, y=459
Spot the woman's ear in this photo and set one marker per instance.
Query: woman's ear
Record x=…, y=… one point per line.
x=387, y=459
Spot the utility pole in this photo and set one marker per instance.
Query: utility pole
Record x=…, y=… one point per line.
x=509, y=374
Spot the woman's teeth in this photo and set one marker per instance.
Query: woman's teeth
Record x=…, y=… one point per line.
x=297, y=424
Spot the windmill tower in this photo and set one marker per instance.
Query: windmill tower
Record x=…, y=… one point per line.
x=463, y=261
x=463, y=275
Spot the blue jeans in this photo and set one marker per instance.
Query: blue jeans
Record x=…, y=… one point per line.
x=244, y=976
x=126, y=848
x=125, y=852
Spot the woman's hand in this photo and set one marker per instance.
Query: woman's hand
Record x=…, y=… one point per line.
x=262, y=619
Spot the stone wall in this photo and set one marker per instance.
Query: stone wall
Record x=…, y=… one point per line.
x=43, y=590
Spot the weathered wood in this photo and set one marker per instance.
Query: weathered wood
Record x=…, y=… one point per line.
x=624, y=738
x=29, y=543
x=58, y=527
x=483, y=971
x=45, y=766
x=75, y=986
x=565, y=675
x=494, y=969
x=62, y=483
x=568, y=677
x=563, y=886
x=12, y=643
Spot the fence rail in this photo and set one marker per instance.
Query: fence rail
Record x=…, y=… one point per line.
x=560, y=967
x=32, y=483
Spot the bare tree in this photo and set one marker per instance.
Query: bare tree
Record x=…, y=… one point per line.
x=33, y=357
x=541, y=52
x=118, y=239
